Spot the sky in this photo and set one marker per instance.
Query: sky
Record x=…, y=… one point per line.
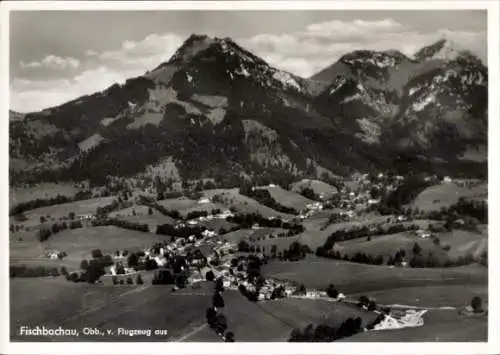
x=58, y=56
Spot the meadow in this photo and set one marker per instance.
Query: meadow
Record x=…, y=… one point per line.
x=242, y=204
x=288, y=198
x=358, y=278
x=40, y=191
x=430, y=296
x=55, y=212
x=319, y=187
x=53, y=303
x=444, y=195
x=78, y=244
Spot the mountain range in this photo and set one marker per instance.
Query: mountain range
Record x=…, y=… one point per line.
x=216, y=110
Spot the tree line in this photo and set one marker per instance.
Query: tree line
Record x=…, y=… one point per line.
x=141, y=227
x=39, y=202
x=45, y=233
x=365, y=231
x=247, y=220
x=38, y=271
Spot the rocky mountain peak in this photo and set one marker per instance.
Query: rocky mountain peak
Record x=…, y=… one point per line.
x=382, y=59
x=444, y=49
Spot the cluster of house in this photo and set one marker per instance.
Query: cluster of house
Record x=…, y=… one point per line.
x=223, y=215
x=161, y=252
x=311, y=209
x=86, y=217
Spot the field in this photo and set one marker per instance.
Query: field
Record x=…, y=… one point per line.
x=40, y=191
x=356, y=278
x=319, y=187
x=57, y=211
x=274, y=320
x=430, y=296
x=439, y=325
x=298, y=313
x=288, y=198
x=58, y=303
x=251, y=235
x=436, y=197
x=244, y=204
x=314, y=236
x=461, y=243
x=78, y=243
x=142, y=217
x=180, y=204
x=281, y=243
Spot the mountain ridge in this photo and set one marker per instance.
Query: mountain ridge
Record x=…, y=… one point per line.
x=254, y=120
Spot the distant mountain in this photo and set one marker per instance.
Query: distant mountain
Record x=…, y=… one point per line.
x=215, y=110
x=442, y=50
x=435, y=102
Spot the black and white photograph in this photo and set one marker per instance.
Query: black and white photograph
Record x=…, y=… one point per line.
x=226, y=175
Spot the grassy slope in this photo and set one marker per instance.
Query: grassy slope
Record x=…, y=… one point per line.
x=142, y=216
x=78, y=243
x=446, y=194
x=274, y=320
x=62, y=210
x=315, y=237
x=108, y=307
x=232, y=198
x=42, y=191
x=288, y=198
x=356, y=278
x=431, y=296
x=319, y=187
x=298, y=313
x=460, y=242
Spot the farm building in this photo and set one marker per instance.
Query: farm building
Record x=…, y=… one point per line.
x=423, y=233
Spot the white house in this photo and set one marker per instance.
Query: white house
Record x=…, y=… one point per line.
x=53, y=255
x=423, y=234
x=313, y=293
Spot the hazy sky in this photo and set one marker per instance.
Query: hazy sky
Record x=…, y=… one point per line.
x=56, y=56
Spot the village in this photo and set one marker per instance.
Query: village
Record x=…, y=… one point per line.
x=348, y=203
x=197, y=248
